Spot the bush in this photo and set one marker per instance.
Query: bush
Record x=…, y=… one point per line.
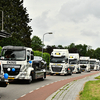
x=0, y=49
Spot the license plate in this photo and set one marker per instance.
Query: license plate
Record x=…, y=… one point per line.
x=11, y=78
x=72, y=65
x=57, y=73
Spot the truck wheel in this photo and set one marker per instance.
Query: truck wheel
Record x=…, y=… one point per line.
x=44, y=76
x=42, y=79
x=65, y=74
x=70, y=73
x=51, y=73
x=29, y=81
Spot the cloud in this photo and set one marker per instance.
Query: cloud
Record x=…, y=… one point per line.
x=71, y=21
x=41, y=21
x=90, y=33
x=79, y=10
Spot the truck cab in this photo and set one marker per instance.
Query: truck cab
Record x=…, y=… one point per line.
x=18, y=62
x=59, y=62
x=74, y=62
x=85, y=63
x=94, y=64
x=97, y=64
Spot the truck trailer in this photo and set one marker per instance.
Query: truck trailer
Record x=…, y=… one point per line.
x=18, y=62
x=74, y=62
x=59, y=62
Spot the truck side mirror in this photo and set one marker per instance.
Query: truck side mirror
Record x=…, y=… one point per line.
x=27, y=57
x=32, y=52
x=32, y=57
x=66, y=60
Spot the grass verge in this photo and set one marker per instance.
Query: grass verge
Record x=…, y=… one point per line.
x=91, y=90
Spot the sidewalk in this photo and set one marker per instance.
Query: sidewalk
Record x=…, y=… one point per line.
x=71, y=90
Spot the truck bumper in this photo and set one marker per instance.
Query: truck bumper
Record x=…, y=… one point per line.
x=3, y=82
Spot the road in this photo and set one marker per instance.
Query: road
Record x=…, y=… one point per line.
x=18, y=89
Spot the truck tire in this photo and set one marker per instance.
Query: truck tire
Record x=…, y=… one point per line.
x=3, y=84
x=51, y=74
x=70, y=73
x=29, y=81
x=44, y=76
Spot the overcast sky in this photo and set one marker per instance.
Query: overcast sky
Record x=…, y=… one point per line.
x=70, y=21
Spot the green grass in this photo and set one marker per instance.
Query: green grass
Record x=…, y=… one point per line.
x=91, y=91
x=98, y=77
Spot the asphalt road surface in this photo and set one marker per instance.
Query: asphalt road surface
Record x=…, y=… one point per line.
x=19, y=89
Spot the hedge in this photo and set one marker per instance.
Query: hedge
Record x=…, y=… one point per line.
x=0, y=49
x=46, y=56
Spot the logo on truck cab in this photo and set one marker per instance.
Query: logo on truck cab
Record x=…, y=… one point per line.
x=57, y=53
x=11, y=62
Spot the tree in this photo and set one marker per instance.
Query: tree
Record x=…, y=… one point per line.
x=72, y=45
x=16, y=21
x=10, y=40
x=90, y=53
x=49, y=49
x=60, y=47
x=73, y=50
x=97, y=53
x=36, y=43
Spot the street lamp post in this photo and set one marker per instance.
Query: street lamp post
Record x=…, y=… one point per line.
x=43, y=40
x=2, y=19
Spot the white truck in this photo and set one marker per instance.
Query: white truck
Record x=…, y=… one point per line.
x=85, y=63
x=94, y=64
x=74, y=62
x=3, y=77
x=18, y=62
x=97, y=64
x=59, y=62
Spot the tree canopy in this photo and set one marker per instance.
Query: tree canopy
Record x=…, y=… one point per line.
x=16, y=21
x=36, y=43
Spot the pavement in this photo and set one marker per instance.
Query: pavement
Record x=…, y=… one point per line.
x=71, y=90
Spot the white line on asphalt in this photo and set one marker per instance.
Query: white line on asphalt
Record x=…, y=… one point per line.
x=31, y=91
x=47, y=84
x=37, y=88
x=43, y=86
x=23, y=95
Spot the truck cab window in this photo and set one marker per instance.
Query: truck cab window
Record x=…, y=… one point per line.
x=28, y=55
x=13, y=54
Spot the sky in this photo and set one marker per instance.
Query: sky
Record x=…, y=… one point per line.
x=70, y=21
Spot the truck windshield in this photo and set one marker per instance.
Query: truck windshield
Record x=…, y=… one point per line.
x=84, y=61
x=92, y=62
x=13, y=55
x=57, y=59
x=72, y=61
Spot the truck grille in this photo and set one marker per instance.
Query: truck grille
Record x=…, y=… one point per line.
x=91, y=66
x=56, y=69
x=16, y=72
x=82, y=66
